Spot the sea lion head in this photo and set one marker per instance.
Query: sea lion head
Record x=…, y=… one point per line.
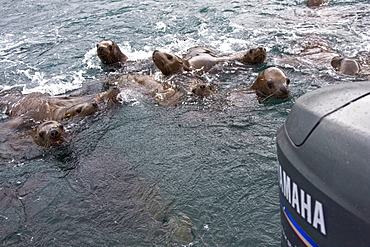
x=315, y=3
x=201, y=89
x=49, y=133
x=272, y=83
x=109, y=52
x=345, y=66
x=254, y=55
x=169, y=63
x=82, y=109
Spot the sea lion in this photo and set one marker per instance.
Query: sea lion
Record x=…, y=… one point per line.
x=271, y=86
x=42, y=106
x=255, y=55
x=109, y=53
x=345, y=66
x=272, y=83
x=49, y=133
x=170, y=91
x=315, y=3
x=201, y=89
x=314, y=52
x=191, y=85
x=200, y=56
x=202, y=59
x=40, y=115
x=169, y=63
x=162, y=92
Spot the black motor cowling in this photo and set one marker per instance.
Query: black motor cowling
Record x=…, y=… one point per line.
x=324, y=168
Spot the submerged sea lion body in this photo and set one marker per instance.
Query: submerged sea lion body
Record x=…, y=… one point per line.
x=202, y=59
x=43, y=113
x=168, y=92
x=192, y=85
x=315, y=52
x=41, y=106
x=163, y=93
x=346, y=66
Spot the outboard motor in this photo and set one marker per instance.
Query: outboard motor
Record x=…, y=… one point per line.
x=324, y=168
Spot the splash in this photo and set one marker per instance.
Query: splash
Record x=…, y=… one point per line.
x=55, y=85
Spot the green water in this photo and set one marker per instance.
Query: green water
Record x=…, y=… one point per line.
x=214, y=163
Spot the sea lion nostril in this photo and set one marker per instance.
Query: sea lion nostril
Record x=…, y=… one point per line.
x=284, y=90
x=54, y=133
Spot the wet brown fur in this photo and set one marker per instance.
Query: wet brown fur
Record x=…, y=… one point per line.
x=49, y=133
x=346, y=66
x=43, y=113
x=272, y=83
x=315, y=3
x=202, y=59
x=109, y=53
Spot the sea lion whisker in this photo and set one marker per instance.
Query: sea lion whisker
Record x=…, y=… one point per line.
x=267, y=97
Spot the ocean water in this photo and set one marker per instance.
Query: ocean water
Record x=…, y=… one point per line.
x=128, y=172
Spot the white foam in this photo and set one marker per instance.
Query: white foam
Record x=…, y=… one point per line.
x=91, y=60
x=128, y=96
x=56, y=85
x=161, y=26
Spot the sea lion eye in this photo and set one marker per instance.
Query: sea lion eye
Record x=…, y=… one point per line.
x=287, y=81
x=202, y=86
x=169, y=57
x=110, y=47
x=61, y=126
x=270, y=84
x=79, y=110
x=193, y=91
x=42, y=134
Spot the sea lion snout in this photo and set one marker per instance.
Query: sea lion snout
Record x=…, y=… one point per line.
x=157, y=55
x=100, y=48
x=261, y=49
x=284, y=90
x=155, y=52
x=54, y=133
x=49, y=133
